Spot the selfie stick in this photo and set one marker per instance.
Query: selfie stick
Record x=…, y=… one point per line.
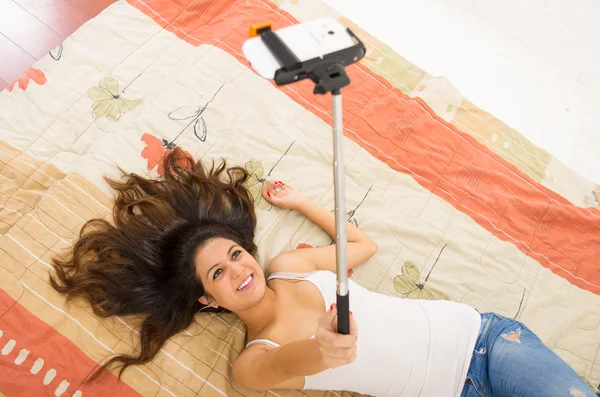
x=329, y=75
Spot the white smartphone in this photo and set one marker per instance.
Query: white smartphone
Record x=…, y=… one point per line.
x=307, y=41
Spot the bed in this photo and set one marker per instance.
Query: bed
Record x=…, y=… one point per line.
x=463, y=207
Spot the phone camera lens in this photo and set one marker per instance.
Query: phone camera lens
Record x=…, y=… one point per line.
x=331, y=32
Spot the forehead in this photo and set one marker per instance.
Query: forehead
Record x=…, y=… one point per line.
x=212, y=252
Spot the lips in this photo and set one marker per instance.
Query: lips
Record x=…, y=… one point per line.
x=246, y=283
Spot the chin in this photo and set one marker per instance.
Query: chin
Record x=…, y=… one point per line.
x=254, y=297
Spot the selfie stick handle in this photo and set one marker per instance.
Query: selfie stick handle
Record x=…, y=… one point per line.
x=341, y=240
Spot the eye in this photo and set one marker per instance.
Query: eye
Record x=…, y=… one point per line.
x=236, y=254
x=217, y=273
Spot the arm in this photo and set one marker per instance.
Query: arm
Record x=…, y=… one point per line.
x=326, y=221
x=360, y=246
x=261, y=368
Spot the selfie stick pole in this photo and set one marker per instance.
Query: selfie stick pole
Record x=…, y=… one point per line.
x=341, y=241
x=329, y=76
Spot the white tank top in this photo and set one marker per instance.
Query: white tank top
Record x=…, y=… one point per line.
x=405, y=347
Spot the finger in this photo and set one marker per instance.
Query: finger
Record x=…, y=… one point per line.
x=339, y=354
x=334, y=324
x=272, y=188
x=269, y=190
x=326, y=338
x=353, y=326
x=334, y=363
x=331, y=339
x=343, y=341
x=265, y=190
x=277, y=187
x=343, y=354
x=327, y=321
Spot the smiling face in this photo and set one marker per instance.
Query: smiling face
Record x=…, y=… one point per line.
x=231, y=277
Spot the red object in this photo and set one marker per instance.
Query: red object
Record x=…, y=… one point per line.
x=156, y=150
x=42, y=342
x=32, y=74
x=303, y=245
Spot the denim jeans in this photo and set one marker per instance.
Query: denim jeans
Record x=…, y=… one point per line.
x=510, y=360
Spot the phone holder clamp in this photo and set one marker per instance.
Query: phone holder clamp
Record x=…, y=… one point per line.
x=327, y=72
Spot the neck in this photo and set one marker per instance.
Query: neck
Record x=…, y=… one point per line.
x=259, y=316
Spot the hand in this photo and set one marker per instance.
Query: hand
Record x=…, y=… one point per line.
x=336, y=349
x=280, y=195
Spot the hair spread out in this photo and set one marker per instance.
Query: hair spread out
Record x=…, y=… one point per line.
x=143, y=262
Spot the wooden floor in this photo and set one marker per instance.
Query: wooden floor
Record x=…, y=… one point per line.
x=29, y=29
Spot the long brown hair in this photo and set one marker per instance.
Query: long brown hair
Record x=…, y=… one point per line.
x=143, y=264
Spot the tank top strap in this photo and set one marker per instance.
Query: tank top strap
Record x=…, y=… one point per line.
x=289, y=275
x=267, y=342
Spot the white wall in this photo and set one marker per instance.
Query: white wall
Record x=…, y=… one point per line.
x=535, y=64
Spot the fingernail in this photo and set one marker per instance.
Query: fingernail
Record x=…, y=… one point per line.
x=268, y=194
x=351, y=313
x=331, y=307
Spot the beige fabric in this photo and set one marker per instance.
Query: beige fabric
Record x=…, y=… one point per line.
x=58, y=141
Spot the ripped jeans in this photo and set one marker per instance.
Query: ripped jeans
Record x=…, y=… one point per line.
x=510, y=360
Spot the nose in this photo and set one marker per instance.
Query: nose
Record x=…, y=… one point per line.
x=236, y=269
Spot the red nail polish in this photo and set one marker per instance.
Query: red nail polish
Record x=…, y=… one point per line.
x=268, y=194
x=331, y=307
x=351, y=313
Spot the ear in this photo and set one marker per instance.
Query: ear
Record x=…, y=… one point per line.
x=207, y=301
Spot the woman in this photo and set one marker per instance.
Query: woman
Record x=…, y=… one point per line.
x=184, y=243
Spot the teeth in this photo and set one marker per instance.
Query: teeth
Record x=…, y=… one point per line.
x=245, y=283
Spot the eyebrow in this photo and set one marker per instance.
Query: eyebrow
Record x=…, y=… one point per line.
x=215, y=265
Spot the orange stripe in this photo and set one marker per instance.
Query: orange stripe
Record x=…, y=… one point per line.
x=58, y=352
x=406, y=134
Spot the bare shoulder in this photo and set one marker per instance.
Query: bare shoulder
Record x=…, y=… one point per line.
x=242, y=366
x=254, y=369
x=250, y=353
